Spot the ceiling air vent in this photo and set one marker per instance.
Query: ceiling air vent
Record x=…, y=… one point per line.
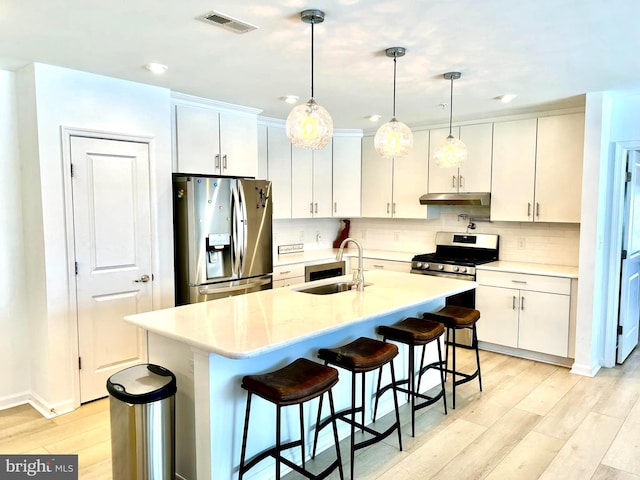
x=228, y=23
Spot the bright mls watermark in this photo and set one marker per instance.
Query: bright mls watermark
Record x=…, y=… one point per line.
x=51, y=467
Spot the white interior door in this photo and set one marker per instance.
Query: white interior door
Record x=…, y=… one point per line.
x=629, y=315
x=112, y=224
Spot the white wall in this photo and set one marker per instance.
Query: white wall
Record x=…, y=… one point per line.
x=14, y=358
x=51, y=98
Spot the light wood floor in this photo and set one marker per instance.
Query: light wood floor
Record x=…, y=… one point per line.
x=532, y=420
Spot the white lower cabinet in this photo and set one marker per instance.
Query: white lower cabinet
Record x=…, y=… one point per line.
x=377, y=264
x=287, y=275
x=530, y=312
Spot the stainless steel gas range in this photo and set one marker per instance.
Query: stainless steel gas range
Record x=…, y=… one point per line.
x=456, y=256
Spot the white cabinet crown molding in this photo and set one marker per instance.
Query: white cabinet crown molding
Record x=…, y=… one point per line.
x=185, y=99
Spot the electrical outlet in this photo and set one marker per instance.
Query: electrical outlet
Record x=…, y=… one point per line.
x=301, y=236
x=364, y=235
x=318, y=236
x=522, y=242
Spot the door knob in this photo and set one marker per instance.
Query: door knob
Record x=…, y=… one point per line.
x=143, y=279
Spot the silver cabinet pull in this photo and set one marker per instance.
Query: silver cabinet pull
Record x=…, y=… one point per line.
x=514, y=302
x=453, y=181
x=284, y=273
x=519, y=281
x=217, y=160
x=311, y=208
x=388, y=205
x=537, y=210
x=224, y=161
x=461, y=181
x=316, y=210
x=143, y=279
x=335, y=207
x=379, y=267
x=528, y=209
x=393, y=210
x=521, y=303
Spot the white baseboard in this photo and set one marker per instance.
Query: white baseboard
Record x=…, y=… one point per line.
x=585, y=370
x=44, y=408
x=14, y=400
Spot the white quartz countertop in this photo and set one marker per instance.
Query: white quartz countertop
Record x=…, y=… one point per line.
x=248, y=325
x=329, y=254
x=531, y=268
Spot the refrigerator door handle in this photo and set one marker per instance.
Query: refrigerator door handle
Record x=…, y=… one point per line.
x=208, y=290
x=236, y=268
x=243, y=225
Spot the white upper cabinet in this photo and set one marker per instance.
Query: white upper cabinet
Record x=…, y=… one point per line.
x=311, y=178
x=391, y=188
x=514, y=164
x=537, y=169
x=558, y=185
x=347, y=165
x=212, y=142
x=279, y=171
x=475, y=174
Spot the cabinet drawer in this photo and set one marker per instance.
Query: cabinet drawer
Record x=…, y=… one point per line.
x=524, y=281
x=376, y=264
x=287, y=282
x=282, y=272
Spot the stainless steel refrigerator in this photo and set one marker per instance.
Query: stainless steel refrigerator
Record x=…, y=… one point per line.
x=222, y=237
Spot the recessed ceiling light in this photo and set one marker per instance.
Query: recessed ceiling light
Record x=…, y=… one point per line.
x=291, y=99
x=375, y=118
x=157, y=68
x=506, y=98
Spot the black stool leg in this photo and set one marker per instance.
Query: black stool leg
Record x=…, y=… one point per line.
x=244, y=437
x=412, y=389
x=453, y=347
x=302, y=436
x=475, y=343
x=395, y=401
x=334, y=421
x=278, y=448
x=353, y=421
x=442, y=371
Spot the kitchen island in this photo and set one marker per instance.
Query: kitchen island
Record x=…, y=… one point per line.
x=211, y=345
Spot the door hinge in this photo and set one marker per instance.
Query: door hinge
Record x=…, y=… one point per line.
x=72, y=170
x=628, y=177
x=79, y=363
x=619, y=329
x=624, y=255
x=76, y=267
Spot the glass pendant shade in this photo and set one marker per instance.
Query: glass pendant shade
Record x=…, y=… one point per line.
x=451, y=153
x=393, y=139
x=309, y=126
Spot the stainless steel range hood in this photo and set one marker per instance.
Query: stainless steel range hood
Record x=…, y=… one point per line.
x=479, y=198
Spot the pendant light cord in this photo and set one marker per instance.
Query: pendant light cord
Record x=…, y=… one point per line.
x=312, y=24
x=394, y=84
x=451, y=107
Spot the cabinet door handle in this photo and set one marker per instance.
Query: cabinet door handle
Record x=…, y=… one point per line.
x=521, y=303
x=218, y=160
x=513, y=304
x=519, y=281
x=528, y=209
x=537, y=210
x=461, y=181
x=388, y=205
x=393, y=210
x=453, y=181
x=311, y=208
x=284, y=273
x=378, y=267
x=316, y=208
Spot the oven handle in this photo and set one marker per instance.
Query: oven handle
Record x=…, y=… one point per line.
x=456, y=276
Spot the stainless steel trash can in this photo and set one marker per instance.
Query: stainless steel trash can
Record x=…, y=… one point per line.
x=142, y=405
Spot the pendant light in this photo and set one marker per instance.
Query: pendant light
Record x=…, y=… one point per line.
x=452, y=151
x=394, y=138
x=309, y=125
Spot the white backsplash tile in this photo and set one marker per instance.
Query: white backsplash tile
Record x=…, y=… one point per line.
x=552, y=243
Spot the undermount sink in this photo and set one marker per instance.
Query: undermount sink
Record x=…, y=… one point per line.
x=330, y=288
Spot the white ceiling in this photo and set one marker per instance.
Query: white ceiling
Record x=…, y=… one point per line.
x=549, y=52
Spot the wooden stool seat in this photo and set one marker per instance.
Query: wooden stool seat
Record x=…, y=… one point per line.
x=298, y=382
x=360, y=356
x=415, y=332
x=456, y=318
x=453, y=316
x=294, y=384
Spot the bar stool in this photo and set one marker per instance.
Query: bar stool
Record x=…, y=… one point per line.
x=300, y=381
x=360, y=356
x=456, y=318
x=415, y=332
